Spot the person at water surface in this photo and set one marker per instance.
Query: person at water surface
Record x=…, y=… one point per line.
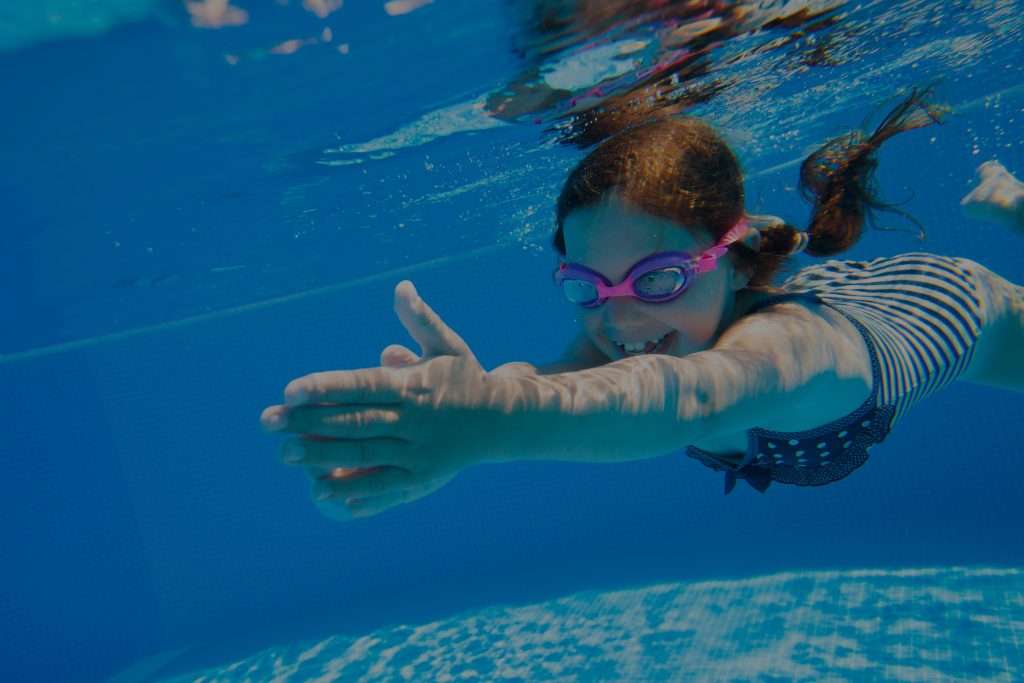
x=686, y=340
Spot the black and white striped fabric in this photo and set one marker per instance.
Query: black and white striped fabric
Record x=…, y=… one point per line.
x=920, y=316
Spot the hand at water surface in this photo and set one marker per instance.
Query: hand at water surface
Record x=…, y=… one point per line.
x=375, y=438
x=998, y=197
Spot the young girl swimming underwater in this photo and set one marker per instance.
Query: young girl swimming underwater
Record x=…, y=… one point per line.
x=684, y=340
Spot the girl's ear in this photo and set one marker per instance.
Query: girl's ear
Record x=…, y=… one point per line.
x=741, y=276
x=751, y=238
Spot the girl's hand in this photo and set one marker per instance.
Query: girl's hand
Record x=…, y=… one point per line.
x=374, y=438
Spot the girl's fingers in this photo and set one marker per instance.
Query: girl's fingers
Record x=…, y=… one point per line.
x=425, y=326
x=354, y=508
x=367, y=507
x=369, y=385
x=355, y=453
x=347, y=496
x=338, y=422
x=398, y=356
x=374, y=481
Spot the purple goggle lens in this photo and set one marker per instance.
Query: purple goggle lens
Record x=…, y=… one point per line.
x=658, y=278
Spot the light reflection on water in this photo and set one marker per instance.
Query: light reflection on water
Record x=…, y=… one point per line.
x=774, y=76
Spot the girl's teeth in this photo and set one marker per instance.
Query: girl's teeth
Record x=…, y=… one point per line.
x=641, y=346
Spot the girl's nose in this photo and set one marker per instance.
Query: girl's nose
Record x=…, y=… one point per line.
x=619, y=312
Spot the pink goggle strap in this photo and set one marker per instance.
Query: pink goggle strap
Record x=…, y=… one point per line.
x=708, y=259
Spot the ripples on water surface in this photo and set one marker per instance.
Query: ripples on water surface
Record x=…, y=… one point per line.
x=239, y=142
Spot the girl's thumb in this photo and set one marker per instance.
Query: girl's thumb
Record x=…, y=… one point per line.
x=424, y=325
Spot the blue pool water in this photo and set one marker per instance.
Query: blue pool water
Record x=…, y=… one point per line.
x=193, y=215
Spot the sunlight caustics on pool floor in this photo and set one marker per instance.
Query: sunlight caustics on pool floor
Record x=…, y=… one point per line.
x=934, y=624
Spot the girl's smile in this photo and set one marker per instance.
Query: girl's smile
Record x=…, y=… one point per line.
x=612, y=235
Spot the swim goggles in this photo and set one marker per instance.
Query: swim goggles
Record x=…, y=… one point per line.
x=656, y=279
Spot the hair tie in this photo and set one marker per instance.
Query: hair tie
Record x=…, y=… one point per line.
x=802, y=240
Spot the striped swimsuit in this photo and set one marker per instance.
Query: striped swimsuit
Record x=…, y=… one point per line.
x=919, y=315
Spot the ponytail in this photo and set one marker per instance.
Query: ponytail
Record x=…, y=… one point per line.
x=839, y=178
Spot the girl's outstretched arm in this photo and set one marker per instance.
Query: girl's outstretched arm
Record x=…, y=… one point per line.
x=787, y=369
x=999, y=353
x=389, y=435
x=423, y=422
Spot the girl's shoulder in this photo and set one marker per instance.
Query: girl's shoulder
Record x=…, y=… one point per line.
x=905, y=291
x=846, y=281
x=906, y=268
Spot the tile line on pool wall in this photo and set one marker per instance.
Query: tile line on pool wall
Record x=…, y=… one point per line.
x=98, y=340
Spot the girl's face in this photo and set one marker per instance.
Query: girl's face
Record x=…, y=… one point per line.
x=611, y=236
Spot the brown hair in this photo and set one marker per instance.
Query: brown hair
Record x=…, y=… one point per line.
x=680, y=169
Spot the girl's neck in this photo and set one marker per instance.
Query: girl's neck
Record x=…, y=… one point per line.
x=742, y=303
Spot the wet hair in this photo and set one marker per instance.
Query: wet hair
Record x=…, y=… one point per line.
x=681, y=169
